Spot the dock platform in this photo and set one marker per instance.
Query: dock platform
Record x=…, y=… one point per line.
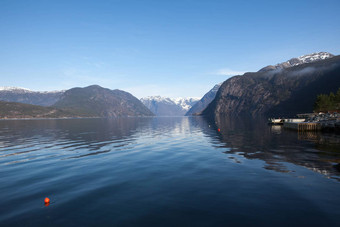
x=302, y=126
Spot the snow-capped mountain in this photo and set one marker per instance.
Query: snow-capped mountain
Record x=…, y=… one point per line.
x=186, y=103
x=163, y=106
x=204, y=101
x=283, y=92
x=15, y=89
x=23, y=95
x=25, y=90
x=315, y=57
x=298, y=61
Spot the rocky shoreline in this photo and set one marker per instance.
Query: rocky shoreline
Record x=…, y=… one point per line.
x=327, y=121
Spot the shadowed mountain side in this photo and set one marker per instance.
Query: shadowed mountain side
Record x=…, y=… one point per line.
x=204, y=101
x=285, y=91
x=102, y=102
x=303, y=99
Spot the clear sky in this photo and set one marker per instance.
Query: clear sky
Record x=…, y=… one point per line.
x=174, y=48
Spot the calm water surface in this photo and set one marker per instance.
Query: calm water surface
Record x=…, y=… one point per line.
x=166, y=172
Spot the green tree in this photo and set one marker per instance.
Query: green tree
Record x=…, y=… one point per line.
x=337, y=100
x=329, y=102
x=323, y=102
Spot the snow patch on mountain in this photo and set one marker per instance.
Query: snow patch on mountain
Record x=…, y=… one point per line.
x=315, y=57
x=14, y=89
x=21, y=90
x=186, y=103
x=156, y=99
x=299, y=61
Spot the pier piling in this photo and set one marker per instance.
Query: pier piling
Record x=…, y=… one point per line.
x=303, y=126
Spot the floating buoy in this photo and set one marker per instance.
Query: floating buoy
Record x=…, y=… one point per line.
x=47, y=200
x=219, y=130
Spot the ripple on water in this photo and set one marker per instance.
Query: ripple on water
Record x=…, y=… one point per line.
x=156, y=171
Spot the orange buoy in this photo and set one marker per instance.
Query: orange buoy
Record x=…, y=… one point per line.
x=219, y=130
x=47, y=200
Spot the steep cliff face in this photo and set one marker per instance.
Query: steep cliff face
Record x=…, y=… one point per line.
x=204, y=101
x=284, y=91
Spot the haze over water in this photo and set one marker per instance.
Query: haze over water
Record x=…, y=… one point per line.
x=166, y=172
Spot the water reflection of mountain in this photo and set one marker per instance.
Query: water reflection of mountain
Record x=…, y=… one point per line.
x=77, y=137
x=254, y=139
x=238, y=137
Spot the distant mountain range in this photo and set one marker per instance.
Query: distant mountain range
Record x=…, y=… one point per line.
x=22, y=95
x=281, y=90
x=162, y=106
x=92, y=101
x=284, y=89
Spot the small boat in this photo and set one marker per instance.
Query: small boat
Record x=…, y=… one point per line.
x=275, y=121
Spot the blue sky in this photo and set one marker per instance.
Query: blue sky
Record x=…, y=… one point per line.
x=168, y=48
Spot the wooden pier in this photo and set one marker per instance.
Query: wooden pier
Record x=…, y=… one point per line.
x=303, y=126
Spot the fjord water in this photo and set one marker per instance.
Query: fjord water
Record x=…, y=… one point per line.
x=166, y=172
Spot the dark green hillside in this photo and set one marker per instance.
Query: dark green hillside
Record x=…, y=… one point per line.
x=101, y=102
x=20, y=110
